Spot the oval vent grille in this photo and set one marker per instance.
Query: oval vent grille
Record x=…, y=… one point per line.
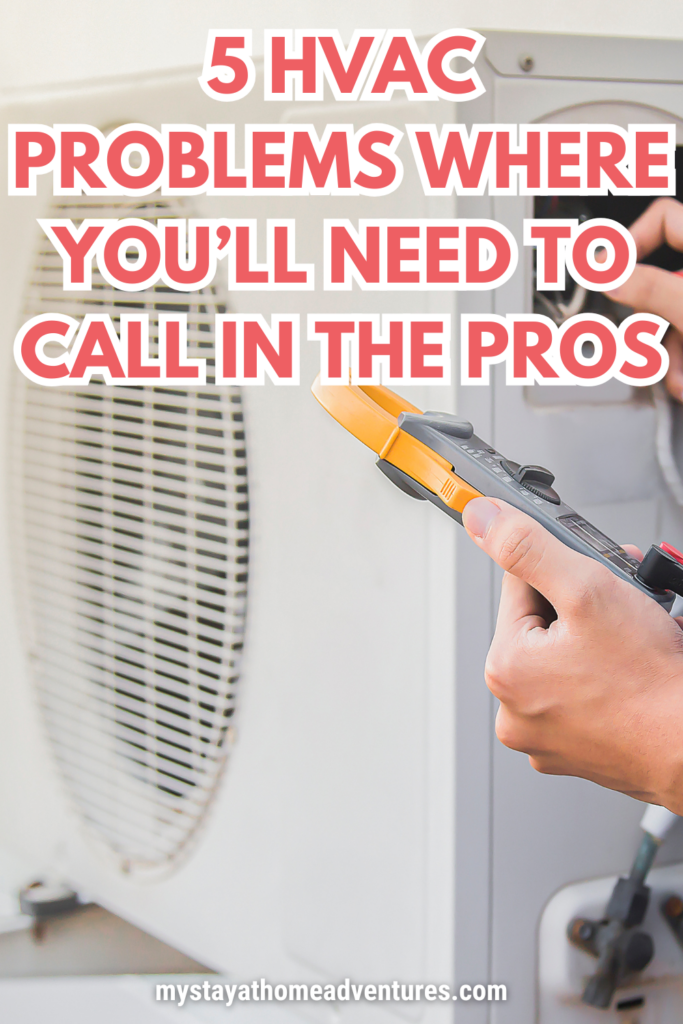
x=135, y=548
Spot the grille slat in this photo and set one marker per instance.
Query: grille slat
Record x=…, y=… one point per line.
x=134, y=546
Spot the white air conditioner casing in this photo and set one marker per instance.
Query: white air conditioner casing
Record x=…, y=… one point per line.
x=327, y=849
x=366, y=824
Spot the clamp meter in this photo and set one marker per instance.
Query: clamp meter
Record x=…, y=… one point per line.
x=437, y=457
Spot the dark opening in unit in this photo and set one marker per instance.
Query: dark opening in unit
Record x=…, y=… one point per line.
x=624, y=209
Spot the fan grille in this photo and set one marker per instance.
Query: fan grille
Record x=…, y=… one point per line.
x=134, y=549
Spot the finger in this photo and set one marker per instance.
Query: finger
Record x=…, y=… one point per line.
x=674, y=375
x=516, y=731
x=662, y=222
x=633, y=551
x=521, y=608
x=653, y=290
x=525, y=549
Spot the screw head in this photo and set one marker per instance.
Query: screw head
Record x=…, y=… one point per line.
x=581, y=930
x=673, y=907
x=526, y=62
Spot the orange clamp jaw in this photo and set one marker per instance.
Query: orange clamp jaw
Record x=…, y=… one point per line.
x=435, y=455
x=371, y=414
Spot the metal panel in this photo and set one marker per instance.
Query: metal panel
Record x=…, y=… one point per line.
x=547, y=831
x=567, y=57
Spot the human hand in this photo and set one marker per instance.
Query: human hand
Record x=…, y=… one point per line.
x=588, y=670
x=653, y=290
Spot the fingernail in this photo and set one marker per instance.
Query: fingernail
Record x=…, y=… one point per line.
x=478, y=515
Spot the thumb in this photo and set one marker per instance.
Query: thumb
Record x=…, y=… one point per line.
x=525, y=549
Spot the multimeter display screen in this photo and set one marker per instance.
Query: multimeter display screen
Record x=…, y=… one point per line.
x=599, y=542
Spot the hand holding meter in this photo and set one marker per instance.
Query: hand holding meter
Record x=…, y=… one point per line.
x=437, y=457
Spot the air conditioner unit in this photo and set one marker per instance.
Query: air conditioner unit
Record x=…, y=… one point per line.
x=227, y=702
x=242, y=702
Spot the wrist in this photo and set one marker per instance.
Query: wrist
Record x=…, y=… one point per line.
x=665, y=748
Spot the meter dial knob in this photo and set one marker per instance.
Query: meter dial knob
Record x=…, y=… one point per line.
x=535, y=479
x=453, y=426
x=662, y=569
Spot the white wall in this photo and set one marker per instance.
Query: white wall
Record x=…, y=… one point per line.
x=44, y=42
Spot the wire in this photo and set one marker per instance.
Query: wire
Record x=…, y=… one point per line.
x=664, y=421
x=575, y=304
x=560, y=310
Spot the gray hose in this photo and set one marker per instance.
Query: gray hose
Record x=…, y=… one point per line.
x=664, y=421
